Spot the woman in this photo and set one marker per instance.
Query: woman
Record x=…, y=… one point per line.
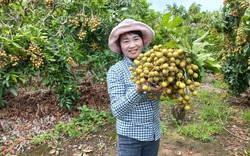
x=137, y=116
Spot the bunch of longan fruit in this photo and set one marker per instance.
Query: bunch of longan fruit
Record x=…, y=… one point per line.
x=3, y=59
x=36, y=55
x=49, y=2
x=172, y=69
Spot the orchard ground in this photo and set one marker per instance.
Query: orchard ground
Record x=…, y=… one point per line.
x=35, y=112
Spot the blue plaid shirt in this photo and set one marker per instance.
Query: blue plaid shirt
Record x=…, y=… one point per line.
x=137, y=116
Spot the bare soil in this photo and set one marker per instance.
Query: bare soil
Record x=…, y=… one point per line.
x=36, y=112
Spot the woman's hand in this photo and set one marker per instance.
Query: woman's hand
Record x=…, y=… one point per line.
x=158, y=89
x=139, y=89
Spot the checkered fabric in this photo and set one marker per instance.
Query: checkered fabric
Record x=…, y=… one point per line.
x=137, y=116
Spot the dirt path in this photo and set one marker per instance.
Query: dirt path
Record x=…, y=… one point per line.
x=103, y=143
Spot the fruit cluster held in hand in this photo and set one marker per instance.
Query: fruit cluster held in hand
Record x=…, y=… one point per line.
x=170, y=68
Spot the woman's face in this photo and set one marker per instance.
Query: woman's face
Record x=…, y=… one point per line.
x=131, y=45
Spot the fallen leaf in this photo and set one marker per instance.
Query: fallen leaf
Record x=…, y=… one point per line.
x=80, y=147
x=29, y=138
x=53, y=151
x=8, y=149
x=77, y=154
x=88, y=149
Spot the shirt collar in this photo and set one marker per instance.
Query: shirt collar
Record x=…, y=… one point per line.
x=128, y=61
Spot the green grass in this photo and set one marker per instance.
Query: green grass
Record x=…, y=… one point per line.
x=203, y=131
x=246, y=116
x=220, y=85
x=213, y=113
x=213, y=108
x=164, y=128
x=89, y=120
x=41, y=138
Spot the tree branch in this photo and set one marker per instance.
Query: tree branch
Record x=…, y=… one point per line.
x=236, y=135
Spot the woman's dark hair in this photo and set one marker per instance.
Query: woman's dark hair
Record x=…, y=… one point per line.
x=130, y=32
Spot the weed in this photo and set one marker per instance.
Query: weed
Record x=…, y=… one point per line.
x=248, y=151
x=41, y=138
x=101, y=145
x=213, y=113
x=246, y=116
x=220, y=85
x=167, y=101
x=164, y=128
x=88, y=120
x=203, y=131
x=59, y=127
x=91, y=116
x=213, y=108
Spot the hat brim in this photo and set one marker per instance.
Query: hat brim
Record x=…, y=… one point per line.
x=128, y=25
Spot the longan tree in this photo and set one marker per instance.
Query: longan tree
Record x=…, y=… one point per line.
x=236, y=53
x=56, y=42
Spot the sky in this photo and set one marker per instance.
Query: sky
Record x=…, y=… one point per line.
x=206, y=5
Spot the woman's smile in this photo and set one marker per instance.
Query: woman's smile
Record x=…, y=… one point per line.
x=134, y=51
x=131, y=45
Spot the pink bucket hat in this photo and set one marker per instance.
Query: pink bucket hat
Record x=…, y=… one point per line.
x=130, y=25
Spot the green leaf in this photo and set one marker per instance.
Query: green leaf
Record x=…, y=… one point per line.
x=22, y=80
x=175, y=22
x=179, y=30
x=5, y=39
x=13, y=91
x=6, y=83
x=198, y=47
x=202, y=57
x=8, y=77
x=248, y=76
x=171, y=43
x=14, y=77
x=213, y=66
x=166, y=18
x=7, y=32
x=201, y=38
x=44, y=81
x=1, y=91
x=51, y=60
